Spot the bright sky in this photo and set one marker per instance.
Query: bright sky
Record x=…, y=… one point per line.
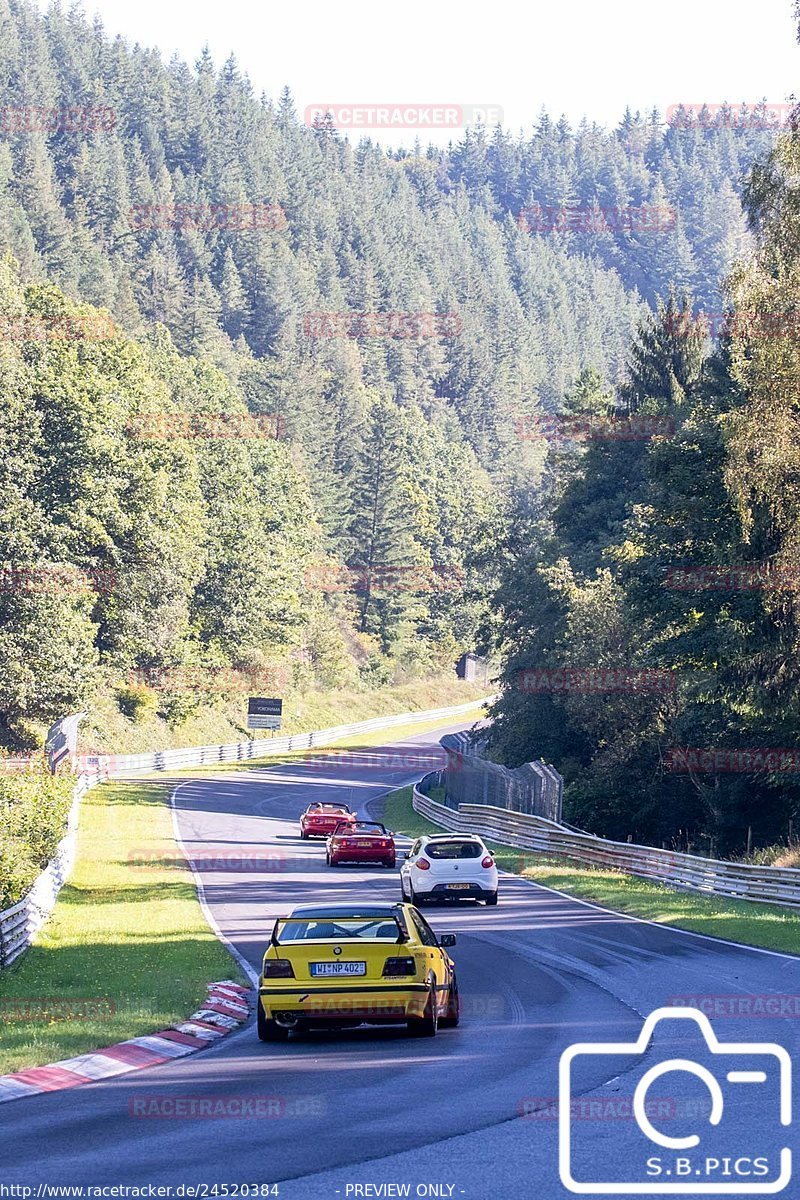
x=579, y=57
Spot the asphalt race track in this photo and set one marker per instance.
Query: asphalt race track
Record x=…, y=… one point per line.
x=468, y=1113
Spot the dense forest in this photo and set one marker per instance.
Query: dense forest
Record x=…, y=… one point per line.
x=268, y=398
x=650, y=607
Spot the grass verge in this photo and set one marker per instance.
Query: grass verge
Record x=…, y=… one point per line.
x=765, y=925
x=224, y=719
x=126, y=952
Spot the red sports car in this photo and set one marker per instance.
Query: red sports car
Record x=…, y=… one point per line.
x=360, y=842
x=320, y=820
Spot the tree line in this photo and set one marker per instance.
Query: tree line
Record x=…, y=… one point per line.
x=650, y=605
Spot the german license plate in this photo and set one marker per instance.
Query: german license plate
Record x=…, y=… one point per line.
x=339, y=968
x=457, y=886
x=363, y=842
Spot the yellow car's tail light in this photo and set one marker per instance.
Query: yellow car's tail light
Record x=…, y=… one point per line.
x=278, y=968
x=399, y=966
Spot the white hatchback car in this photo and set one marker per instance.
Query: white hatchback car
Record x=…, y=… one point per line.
x=449, y=866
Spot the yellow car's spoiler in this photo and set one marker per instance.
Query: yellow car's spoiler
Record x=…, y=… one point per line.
x=402, y=936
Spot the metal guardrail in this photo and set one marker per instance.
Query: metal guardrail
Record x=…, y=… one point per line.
x=20, y=923
x=113, y=766
x=523, y=831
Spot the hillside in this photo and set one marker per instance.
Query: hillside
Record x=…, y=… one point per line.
x=267, y=391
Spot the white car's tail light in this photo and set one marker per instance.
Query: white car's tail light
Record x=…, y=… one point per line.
x=488, y=861
x=423, y=864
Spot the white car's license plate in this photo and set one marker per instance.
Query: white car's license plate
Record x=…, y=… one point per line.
x=458, y=885
x=339, y=968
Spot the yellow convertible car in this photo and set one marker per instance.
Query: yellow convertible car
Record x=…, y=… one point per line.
x=342, y=965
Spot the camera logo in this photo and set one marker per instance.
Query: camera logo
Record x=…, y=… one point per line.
x=708, y=1157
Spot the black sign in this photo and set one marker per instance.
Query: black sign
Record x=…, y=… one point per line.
x=258, y=706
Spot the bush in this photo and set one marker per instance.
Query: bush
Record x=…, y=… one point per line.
x=376, y=672
x=25, y=736
x=137, y=701
x=774, y=856
x=33, y=812
x=178, y=707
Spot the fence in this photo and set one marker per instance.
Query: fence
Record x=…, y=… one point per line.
x=524, y=831
x=534, y=787
x=20, y=923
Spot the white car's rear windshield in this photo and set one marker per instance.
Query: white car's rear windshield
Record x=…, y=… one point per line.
x=453, y=850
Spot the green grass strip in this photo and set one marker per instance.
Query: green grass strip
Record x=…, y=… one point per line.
x=766, y=925
x=127, y=950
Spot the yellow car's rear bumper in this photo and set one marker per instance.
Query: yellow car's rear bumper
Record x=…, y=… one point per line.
x=382, y=1001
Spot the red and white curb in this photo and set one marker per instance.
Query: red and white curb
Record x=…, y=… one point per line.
x=226, y=1007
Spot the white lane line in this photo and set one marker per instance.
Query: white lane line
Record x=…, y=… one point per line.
x=201, y=896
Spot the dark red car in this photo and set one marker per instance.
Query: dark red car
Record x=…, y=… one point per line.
x=320, y=820
x=361, y=842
